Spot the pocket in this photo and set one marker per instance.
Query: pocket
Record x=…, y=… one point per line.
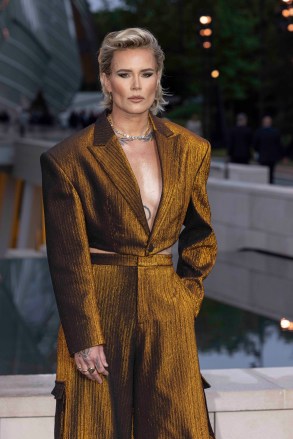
x=188, y=295
x=59, y=394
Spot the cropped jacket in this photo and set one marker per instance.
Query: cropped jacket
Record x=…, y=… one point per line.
x=92, y=199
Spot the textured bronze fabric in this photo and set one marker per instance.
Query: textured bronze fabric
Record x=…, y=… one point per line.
x=144, y=314
x=154, y=390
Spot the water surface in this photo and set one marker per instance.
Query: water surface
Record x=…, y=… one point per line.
x=228, y=336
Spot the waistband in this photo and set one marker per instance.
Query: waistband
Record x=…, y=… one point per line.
x=130, y=260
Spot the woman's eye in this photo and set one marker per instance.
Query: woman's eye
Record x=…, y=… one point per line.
x=148, y=74
x=123, y=75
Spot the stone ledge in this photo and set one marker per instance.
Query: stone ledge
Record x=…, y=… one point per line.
x=237, y=172
x=232, y=390
x=274, y=191
x=26, y=396
x=250, y=389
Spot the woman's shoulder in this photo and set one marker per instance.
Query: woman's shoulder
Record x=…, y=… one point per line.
x=72, y=146
x=189, y=138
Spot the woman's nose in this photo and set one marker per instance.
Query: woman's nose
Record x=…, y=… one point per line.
x=136, y=83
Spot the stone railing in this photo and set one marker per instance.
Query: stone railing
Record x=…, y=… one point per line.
x=243, y=404
x=235, y=172
x=250, y=215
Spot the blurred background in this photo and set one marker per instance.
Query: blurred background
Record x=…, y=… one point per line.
x=229, y=74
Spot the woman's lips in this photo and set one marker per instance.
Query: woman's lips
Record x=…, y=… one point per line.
x=136, y=98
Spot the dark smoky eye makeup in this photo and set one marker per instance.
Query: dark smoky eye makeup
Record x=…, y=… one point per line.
x=122, y=74
x=127, y=72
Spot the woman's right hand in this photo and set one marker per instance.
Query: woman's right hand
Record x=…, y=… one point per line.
x=91, y=362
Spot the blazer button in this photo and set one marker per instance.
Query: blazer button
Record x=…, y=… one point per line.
x=151, y=247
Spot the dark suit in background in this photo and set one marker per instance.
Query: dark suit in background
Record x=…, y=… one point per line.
x=268, y=145
x=240, y=141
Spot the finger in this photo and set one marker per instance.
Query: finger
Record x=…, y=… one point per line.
x=94, y=374
x=103, y=358
x=83, y=368
x=100, y=368
x=77, y=361
x=81, y=363
x=92, y=371
x=86, y=373
x=78, y=365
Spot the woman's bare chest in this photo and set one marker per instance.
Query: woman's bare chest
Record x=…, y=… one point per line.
x=145, y=164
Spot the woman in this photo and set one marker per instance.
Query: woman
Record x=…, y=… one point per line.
x=116, y=196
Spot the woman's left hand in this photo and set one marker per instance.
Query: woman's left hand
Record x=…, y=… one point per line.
x=92, y=362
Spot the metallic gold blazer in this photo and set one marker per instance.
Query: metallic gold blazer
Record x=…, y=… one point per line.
x=92, y=199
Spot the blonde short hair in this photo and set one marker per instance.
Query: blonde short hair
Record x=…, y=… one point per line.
x=131, y=38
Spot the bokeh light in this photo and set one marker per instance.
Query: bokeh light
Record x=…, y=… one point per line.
x=206, y=44
x=206, y=32
x=286, y=324
x=215, y=74
x=205, y=19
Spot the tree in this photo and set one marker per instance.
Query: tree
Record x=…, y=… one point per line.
x=253, y=55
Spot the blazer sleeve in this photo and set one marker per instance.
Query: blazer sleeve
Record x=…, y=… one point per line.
x=69, y=258
x=197, y=242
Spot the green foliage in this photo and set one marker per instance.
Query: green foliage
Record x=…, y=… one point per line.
x=253, y=55
x=236, y=48
x=183, y=112
x=174, y=25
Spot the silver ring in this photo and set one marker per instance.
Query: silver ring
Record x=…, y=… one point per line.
x=91, y=370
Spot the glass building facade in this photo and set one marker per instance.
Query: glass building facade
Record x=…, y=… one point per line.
x=39, y=52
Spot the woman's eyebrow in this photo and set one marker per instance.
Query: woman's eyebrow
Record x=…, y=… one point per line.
x=129, y=70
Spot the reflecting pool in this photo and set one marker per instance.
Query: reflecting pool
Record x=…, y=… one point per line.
x=247, y=294
x=28, y=317
x=227, y=335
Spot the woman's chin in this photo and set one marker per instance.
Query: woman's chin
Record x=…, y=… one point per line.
x=133, y=108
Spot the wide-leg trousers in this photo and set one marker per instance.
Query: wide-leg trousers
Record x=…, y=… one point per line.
x=154, y=389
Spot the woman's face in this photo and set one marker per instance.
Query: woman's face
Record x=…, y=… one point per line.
x=133, y=80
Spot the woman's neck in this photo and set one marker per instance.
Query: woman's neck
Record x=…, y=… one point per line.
x=132, y=124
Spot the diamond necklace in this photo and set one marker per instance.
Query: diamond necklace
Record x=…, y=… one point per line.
x=123, y=137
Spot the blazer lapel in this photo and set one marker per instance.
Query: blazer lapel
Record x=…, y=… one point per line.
x=109, y=153
x=167, y=144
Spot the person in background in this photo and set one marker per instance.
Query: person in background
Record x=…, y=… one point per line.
x=267, y=143
x=288, y=155
x=240, y=141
